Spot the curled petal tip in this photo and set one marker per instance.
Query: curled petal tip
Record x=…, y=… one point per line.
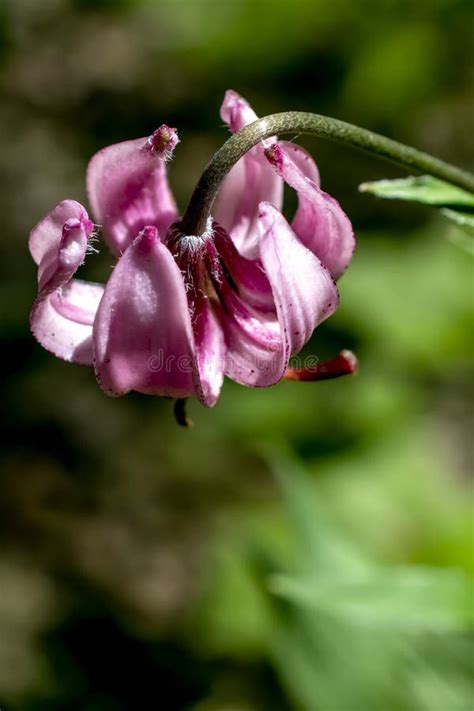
x=274, y=155
x=147, y=238
x=75, y=223
x=232, y=96
x=70, y=255
x=268, y=213
x=163, y=141
x=128, y=188
x=149, y=233
x=236, y=111
x=73, y=229
x=46, y=236
x=319, y=222
x=345, y=363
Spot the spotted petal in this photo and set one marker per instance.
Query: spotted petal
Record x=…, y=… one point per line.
x=253, y=341
x=246, y=312
x=303, y=289
x=210, y=351
x=319, y=222
x=303, y=160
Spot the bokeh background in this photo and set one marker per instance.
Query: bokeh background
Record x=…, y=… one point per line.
x=303, y=548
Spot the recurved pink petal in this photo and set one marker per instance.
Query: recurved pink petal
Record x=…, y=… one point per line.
x=143, y=338
x=248, y=183
x=62, y=321
x=210, y=352
x=302, y=159
x=62, y=315
x=244, y=305
x=304, y=291
x=236, y=111
x=319, y=222
x=128, y=187
x=253, y=341
x=45, y=237
x=59, y=265
x=247, y=274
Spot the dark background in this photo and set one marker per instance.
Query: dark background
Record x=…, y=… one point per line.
x=305, y=547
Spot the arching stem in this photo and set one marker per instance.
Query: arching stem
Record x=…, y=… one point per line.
x=199, y=208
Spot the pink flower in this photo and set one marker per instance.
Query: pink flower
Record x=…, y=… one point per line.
x=181, y=311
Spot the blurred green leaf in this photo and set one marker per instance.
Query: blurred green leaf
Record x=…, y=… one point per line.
x=361, y=623
x=412, y=299
x=340, y=579
x=464, y=220
x=423, y=188
x=410, y=599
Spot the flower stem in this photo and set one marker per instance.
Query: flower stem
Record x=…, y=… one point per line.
x=198, y=210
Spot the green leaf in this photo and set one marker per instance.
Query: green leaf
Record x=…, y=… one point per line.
x=413, y=598
x=464, y=220
x=424, y=189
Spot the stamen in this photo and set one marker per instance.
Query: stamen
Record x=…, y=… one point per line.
x=345, y=363
x=180, y=413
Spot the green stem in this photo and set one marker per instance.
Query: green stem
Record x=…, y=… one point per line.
x=199, y=208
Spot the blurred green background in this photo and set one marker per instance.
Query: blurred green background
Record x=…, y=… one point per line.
x=306, y=547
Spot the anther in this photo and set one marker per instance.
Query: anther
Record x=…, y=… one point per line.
x=345, y=363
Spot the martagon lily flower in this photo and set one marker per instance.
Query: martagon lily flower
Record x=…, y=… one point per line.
x=178, y=311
